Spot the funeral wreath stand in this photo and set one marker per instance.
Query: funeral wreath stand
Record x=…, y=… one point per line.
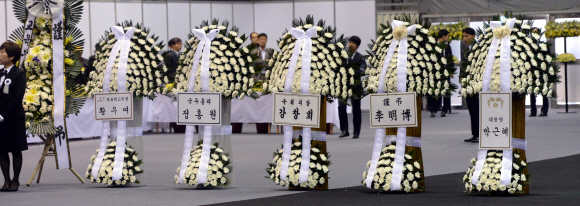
x=214, y=69
x=50, y=44
x=128, y=69
x=405, y=64
x=309, y=70
x=507, y=62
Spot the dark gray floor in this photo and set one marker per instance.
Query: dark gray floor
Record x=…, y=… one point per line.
x=444, y=152
x=555, y=182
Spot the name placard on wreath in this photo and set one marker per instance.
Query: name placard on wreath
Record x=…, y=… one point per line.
x=114, y=106
x=199, y=108
x=496, y=120
x=301, y=110
x=390, y=110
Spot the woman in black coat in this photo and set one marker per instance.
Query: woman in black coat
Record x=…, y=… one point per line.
x=12, y=120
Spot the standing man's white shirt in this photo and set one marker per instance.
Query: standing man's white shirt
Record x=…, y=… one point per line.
x=4, y=77
x=177, y=52
x=262, y=53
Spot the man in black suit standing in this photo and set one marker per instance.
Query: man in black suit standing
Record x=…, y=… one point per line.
x=472, y=101
x=88, y=67
x=354, y=59
x=263, y=57
x=12, y=119
x=172, y=62
x=434, y=104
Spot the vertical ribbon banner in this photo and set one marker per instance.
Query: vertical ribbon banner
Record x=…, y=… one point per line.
x=400, y=33
x=28, y=28
x=303, y=41
x=203, y=47
x=501, y=35
x=62, y=154
x=122, y=45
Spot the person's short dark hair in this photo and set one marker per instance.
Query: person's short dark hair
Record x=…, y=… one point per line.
x=12, y=50
x=355, y=40
x=174, y=41
x=469, y=30
x=262, y=35
x=442, y=32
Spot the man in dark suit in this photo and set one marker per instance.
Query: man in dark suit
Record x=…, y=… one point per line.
x=88, y=67
x=173, y=61
x=356, y=61
x=12, y=119
x=433, y=103
x=472, y=101
x=254, y=39
x=263, y=56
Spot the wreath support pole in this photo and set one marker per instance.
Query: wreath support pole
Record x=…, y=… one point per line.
x=134, y=136
x=565, y=80
x=413, y=132
x=321, y=145
x=223, y=135
x=48, y=152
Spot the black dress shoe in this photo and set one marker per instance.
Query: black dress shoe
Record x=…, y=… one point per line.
x=475, y=140
x=470, y=139
x=432, y=114
x=534, y=114
x=12, y=189
x=355, y=136
x=443, y=114
x=543, y=114
x=344, y=134
x=5, y=188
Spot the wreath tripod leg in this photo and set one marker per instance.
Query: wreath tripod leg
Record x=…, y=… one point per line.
x=38, y=170
x=77, y=175
x=47, y=145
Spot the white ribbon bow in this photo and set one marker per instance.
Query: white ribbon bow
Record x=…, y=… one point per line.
x=44, y=8
x=203, y=47
x=303, y=41
x=501, y=35
x=123, y=45
x=400, y=33
x=500, y=32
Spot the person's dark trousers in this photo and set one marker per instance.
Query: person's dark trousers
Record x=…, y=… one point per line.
x=446, y=105
x=356, y=116
x=342, y=116
x=473, y=107
x=433, y=104
x=534, y=109
x=446, y=102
